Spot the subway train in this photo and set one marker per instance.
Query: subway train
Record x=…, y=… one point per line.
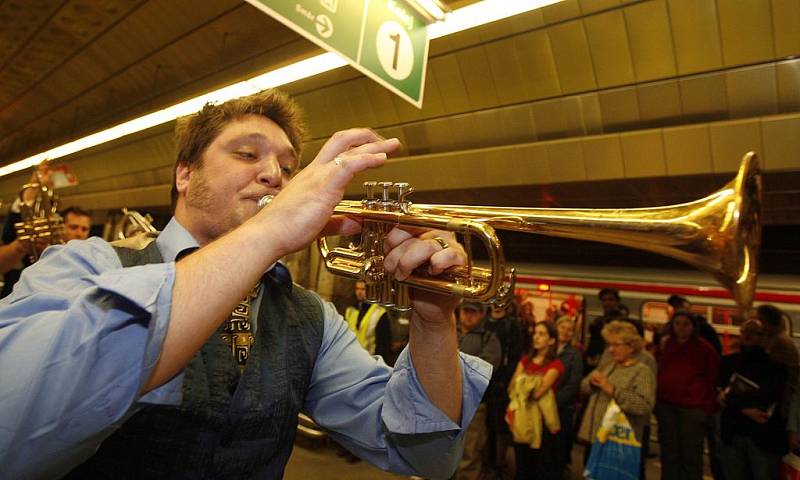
x=645, y=291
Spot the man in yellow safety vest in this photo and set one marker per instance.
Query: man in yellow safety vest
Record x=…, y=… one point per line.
x=370, y=322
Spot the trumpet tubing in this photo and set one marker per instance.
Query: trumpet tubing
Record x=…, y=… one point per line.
x=41, y=225
x=719, y=234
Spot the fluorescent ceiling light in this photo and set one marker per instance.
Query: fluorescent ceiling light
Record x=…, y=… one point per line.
x=481, y=13
x=432, y=10
x=462, y=19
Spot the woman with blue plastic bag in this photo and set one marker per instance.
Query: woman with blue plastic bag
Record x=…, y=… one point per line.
x=621, y=397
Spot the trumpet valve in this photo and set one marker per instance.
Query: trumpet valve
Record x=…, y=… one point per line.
x=369, y=202
x=372, y=270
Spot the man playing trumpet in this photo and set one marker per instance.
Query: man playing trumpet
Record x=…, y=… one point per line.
x=143, y=336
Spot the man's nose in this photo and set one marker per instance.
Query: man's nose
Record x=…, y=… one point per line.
x=270, y=172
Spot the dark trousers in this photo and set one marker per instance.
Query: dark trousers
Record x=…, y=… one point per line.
x=743, y=459
x=566, y=437
x=712, y=437
x=681, y=434
x=540, y=463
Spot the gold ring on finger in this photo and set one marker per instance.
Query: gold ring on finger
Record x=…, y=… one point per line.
x=441, y=241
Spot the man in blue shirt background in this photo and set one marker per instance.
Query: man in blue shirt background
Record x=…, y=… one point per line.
x=133, y=348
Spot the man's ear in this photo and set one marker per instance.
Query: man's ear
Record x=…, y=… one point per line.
x=183, y=173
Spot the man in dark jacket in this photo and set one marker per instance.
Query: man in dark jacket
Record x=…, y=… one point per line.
x=475, y=339
x=753, y=432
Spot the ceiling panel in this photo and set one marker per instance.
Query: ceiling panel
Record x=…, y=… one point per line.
x=565, y=161
x=533, y=162
x=572, y=57
x=620, y=108
x=788, y=74
x=384, y=107
x=446, y=71
x=357, y=95
x=406, y=111
x=593, y=6
x=781, y=142
x=515, y=125
x=558, y=12
x=524, y=22
x=785, y=21
x=695, y=32
x=433, y=99
x=477, y=74
x=538, y=65
x=608, y=41
x=339, y=101
x=731, y=140
x=416, y=136
x=591, y=113
x=506, y=71
x=650, y=40
x=643, y=154
x=746, y=31
x=440, y=135
x=20, y=20
x=551, y=119
x=659, y=103
x=687, y=150
x=704, y=96
x=602, y=157
x=752, y=91
x=56, y=31
x=317, y=113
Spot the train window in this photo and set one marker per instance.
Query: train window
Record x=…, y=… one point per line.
x=545, y=304
x=655, y=314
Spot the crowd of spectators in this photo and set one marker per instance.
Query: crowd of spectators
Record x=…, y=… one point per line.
x=548, y=391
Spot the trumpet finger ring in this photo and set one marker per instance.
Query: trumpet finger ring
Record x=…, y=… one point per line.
x=442, y=243
x=338, y=161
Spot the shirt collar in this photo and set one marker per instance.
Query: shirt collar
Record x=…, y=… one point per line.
x=175, y=240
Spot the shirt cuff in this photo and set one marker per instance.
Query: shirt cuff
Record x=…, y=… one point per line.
x=407, y=409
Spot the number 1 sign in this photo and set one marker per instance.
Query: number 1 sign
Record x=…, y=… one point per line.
x=384, y=39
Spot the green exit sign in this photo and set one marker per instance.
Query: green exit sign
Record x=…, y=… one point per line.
x=384, y=39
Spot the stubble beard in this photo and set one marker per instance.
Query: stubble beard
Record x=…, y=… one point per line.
x=200, y=199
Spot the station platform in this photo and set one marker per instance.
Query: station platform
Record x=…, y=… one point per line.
x=320, y=460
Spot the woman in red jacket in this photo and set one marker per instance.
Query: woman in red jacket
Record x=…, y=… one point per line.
x=687, y=372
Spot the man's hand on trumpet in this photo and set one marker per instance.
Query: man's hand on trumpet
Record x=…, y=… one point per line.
x=303, y=210
x=408, y=249
x=433, y=342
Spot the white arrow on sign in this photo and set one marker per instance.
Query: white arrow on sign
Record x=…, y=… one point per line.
x=324, y=26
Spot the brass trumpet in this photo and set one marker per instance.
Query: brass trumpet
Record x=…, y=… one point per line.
x=719, y=234
x=41, y=225
x=128, y=224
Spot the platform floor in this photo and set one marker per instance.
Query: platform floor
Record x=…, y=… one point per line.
x=321, y=461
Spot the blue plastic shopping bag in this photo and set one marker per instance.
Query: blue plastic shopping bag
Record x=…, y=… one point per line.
x=616, y=454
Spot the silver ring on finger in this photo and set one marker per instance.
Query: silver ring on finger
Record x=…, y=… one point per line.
x=441, y=241
x=338, y=161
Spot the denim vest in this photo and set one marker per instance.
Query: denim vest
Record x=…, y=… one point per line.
x=227, y=427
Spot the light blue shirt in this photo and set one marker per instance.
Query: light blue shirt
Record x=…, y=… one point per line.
x=80, y=335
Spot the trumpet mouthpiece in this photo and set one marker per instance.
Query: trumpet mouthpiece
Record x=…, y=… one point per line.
x=264, y=201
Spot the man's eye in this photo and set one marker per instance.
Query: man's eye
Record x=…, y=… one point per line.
x=287, y=170
x=245, y=154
